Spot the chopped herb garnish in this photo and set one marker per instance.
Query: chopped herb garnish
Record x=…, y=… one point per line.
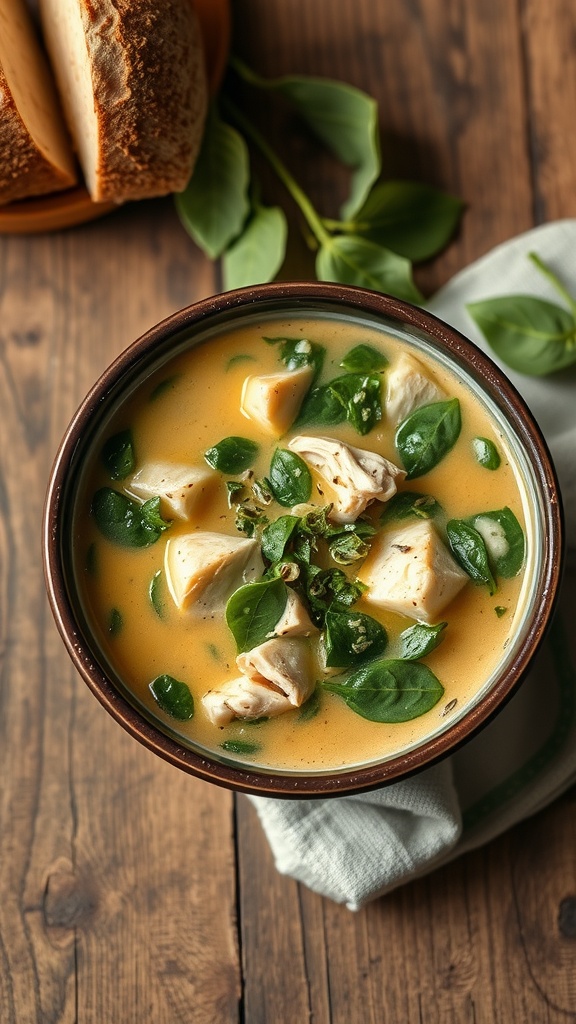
x=500, y=610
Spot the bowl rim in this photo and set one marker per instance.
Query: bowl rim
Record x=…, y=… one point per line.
x=334, y=783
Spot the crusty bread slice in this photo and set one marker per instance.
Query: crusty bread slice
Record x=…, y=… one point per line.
x=132, y=81
x=35, y=153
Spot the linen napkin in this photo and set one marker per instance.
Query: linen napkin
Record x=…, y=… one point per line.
x=354, y=849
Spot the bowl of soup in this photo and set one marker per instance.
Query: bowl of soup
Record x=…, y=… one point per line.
x=302, y=539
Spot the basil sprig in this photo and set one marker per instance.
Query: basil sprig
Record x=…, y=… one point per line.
x=232, y=454
x=532, y=336
x=118, y=455
x=254, y=610
x=126, y=522
x=383, y=226
x=173, y=697
x=389, y=691
x=425, y=437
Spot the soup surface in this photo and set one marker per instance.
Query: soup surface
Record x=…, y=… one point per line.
x=456, y=494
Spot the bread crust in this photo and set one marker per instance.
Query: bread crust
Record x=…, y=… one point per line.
x=150, y=94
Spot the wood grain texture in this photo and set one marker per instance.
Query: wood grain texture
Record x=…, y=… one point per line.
x=130, y=893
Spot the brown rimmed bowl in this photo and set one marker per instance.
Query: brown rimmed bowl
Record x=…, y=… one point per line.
x=222, y=312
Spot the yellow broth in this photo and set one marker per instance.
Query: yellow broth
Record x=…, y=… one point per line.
x=198, y=404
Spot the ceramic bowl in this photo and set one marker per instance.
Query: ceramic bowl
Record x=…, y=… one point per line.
x=190, y=326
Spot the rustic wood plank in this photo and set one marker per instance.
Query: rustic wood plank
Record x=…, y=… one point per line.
x=112, y=863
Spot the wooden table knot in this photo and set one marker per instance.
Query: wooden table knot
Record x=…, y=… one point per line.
x=69, y=901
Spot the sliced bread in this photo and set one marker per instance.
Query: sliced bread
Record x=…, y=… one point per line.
x=35, y=153
x=132, y=81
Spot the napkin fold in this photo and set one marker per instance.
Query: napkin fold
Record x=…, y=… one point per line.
x=354, y=849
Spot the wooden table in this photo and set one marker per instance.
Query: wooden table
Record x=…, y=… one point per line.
x=132, y=893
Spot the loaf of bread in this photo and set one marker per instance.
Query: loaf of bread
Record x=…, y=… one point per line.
x=132, y=81
x=35, y=153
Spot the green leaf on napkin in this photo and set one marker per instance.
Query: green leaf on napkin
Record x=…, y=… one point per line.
x=532, y=336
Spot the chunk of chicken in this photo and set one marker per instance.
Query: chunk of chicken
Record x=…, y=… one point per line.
x=283, y=663
x=180, y=488
x=203, y=569
x=355, y=476
x=294, y=620
x=244, y=698
x=273, y=400
x=411, y=572
x=409, y=387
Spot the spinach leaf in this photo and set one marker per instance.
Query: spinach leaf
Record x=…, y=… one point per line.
x=389, y=691
x=232, y=454
x=427, y=435
x=486, y=452
x=164, y=386
x=310, y=707
x=364, y=359
x=350, y=259
x=215, y=204
x=240, y=747
x=258, y=253
x=351, y=638
x=277, y=535
x=290, y=478
x=115, y=622
x=298, y=352
x=530, y=335
x=414, y=220
x=254, y=610
x=126, y=522
x=419, y=640
x=155, y=593
x=410, y=504
x=353, y=396
x=504, y=540
x=341, y=116
x=240, y=357
x=118, y=455
x=173, y=697
x=470, y=552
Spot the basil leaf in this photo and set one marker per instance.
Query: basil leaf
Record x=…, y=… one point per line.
x=353, y=396
x=124, y=521
x=310, y=707
x=351, y=638
x=215, y=204
x=363, y=359
x=419, y=640
x=504, y=540
x=232, y=454
x=410, y=504
x=427, y=435
x=173, y=697
x=290, y=478
x=341, y=116
x=390, y=691
x=414, y=220
x=470, y=552
x=257, y=255
x=254, y=610
x=155, y=594
x=348, y=548
x=115, y=622
x=277, y=535
x=486, y=452
x=350, y=259
x=118, y=455
x=240, y=747
x=298, y=352
x=530, y=335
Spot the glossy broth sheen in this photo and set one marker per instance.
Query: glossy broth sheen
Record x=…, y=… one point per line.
x=198, y=405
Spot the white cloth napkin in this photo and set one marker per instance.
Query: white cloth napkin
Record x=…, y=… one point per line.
x=354, y=849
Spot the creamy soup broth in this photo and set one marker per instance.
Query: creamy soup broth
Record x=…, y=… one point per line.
x=195, y=403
